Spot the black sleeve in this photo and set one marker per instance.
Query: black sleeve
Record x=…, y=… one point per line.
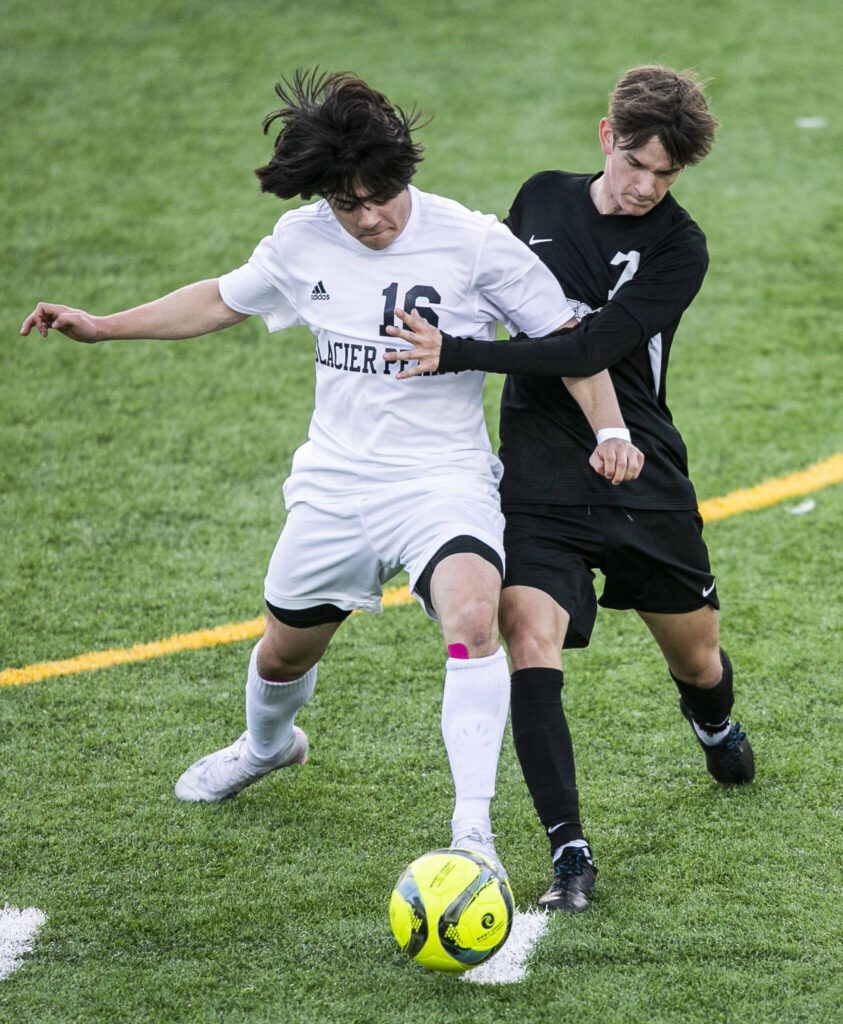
x=600, y=341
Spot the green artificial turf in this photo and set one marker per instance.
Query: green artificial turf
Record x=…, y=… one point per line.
x=140, y=497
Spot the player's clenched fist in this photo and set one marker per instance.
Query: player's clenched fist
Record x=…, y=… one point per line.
x=617, y=460
x=75, y=323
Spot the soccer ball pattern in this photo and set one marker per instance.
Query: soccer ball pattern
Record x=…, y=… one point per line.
x=451, y=910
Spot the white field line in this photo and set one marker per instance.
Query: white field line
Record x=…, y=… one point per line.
x=18, y=929
x=509, y=965
x=803, y=508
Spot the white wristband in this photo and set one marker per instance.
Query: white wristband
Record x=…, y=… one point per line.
x=605, y=433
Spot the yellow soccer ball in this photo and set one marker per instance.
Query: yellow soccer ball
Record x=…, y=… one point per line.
x=451, y=910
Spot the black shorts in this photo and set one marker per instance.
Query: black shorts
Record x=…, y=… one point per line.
x=653, y=560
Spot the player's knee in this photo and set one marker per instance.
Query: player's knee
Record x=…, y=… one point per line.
x=475, y=626
x=700, y=667
x=276, y=665
x=533, y=652
x=528, y=646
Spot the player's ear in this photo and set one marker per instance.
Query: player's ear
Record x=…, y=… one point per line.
x=606, y=135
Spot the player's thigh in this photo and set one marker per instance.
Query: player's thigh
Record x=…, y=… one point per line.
x=549, y=552
x=418, y=523
x=323, y=557
x=656, y=561
x=690, y=643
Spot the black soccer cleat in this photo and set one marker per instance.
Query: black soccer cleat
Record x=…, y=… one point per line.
x=573, y=879
x=730, y=762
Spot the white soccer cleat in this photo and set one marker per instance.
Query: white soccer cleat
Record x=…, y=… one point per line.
x=476, y=837
x=223, y=774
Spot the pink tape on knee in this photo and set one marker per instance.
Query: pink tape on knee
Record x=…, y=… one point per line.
x=458, y=651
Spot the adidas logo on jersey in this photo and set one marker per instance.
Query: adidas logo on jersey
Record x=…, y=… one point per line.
x=319, y=292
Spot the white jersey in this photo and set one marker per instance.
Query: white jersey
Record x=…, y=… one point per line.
x=462, y=270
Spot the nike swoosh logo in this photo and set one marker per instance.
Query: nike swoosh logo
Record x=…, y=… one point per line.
x=536, y=241
x=707, y=590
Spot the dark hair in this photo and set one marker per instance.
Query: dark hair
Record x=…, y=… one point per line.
x=338, y=136
x=655, y=101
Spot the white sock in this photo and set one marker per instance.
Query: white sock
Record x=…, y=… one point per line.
x=580, y=844
x=711, y=739
x=475, y=704
x=271, y=709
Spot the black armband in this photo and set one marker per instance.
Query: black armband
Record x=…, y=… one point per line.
x=600, y=341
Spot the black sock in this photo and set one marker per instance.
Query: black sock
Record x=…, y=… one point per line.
x=710, y=708
x=544, y=748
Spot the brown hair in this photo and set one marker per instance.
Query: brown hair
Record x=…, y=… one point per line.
x=338, y=136
x=655, y=101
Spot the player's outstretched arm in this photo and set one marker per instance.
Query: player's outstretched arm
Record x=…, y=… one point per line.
x=187, y=313
x=575, y=350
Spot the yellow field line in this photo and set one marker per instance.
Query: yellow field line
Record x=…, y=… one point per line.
x=228, y=634
x=806, y=481
x=814, y=478
x=140, y=652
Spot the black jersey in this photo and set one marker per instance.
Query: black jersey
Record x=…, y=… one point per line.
x=652, y=267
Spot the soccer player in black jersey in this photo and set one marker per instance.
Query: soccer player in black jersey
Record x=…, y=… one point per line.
x=630, y=260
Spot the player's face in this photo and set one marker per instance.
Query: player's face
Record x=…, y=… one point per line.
x=634, y=180
x=374, y=224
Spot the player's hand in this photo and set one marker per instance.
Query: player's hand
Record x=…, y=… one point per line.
x=617, y=460
x=426, y=338
x=75, y=323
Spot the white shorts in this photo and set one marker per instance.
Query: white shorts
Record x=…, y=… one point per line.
x=342, y=552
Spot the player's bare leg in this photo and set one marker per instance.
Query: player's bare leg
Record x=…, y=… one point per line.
x=690, y=644
x=701, y=669
x=281, y=679
x=464, y=591
x=534, y=627
x=287, y=652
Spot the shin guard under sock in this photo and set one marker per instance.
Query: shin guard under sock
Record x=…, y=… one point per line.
x=271, y=709
x=475, y=703
x=544, y=748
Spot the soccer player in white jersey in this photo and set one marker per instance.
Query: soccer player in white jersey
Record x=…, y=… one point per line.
x=390, y=476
